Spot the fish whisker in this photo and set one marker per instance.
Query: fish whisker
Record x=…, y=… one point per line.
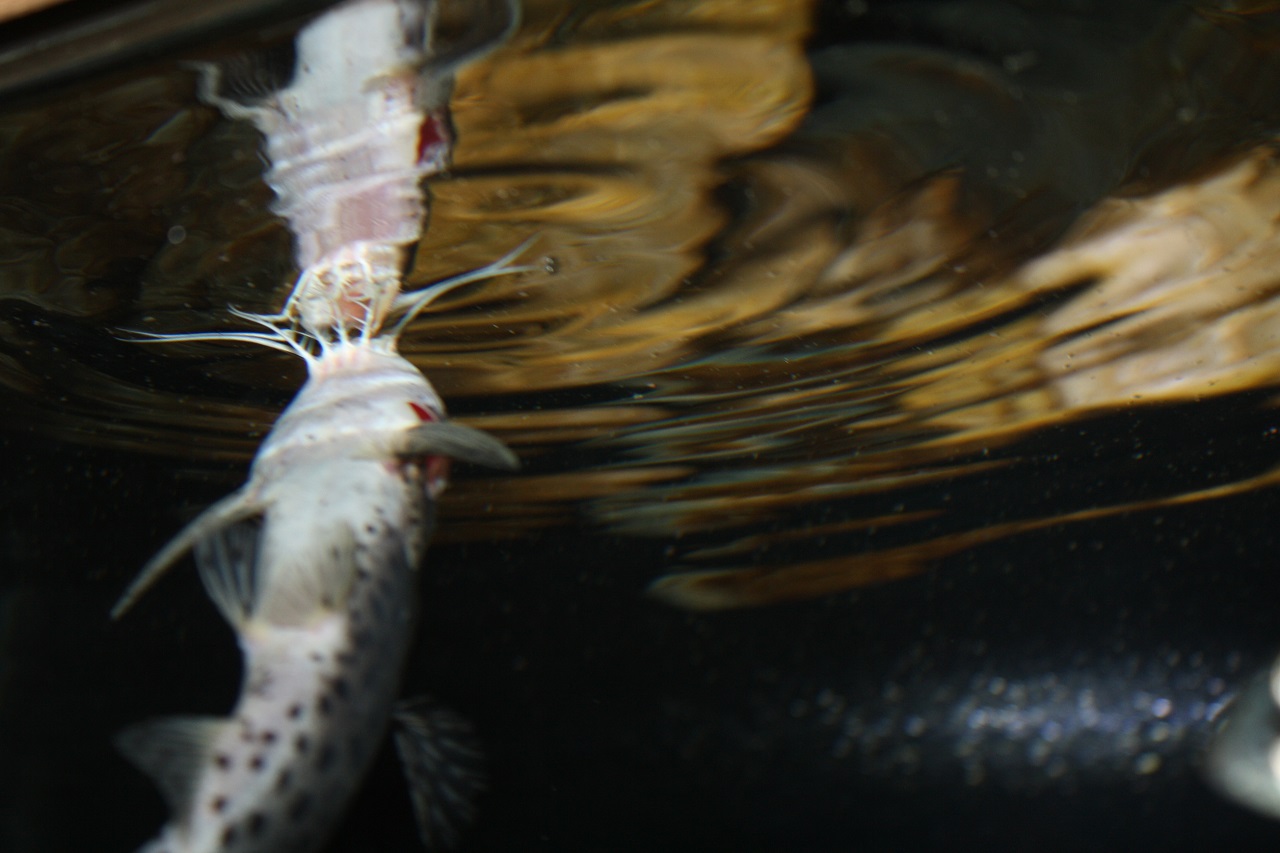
x=414, y=303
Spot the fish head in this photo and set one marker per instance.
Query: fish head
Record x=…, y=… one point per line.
x=357, y=402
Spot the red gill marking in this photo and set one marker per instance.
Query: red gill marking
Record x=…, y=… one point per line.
x=430, y=134
x=422, y=413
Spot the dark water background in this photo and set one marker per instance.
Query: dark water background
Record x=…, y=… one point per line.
x=1049, y=689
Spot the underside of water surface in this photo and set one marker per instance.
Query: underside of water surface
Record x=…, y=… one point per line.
x=895, y=392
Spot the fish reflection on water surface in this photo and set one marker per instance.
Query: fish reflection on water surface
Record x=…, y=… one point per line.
x=815, y=320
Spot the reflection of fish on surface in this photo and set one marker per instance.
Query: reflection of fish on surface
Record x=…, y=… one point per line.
x=313, y=562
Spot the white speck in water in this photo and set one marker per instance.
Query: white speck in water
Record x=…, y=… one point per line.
x=177, y=234
x=1273, y=758
x=1146, y=764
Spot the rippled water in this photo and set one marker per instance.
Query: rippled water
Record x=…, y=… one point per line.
x=978, y=298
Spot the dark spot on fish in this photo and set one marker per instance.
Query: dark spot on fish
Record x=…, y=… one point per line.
x=302, y=743
x=340, y=688
x=328, y=754
x=269, y=736
x=257, y=763
x=222, y=761
x=257, y=823
x=229, y=836
x=371, y=529
x=219, y=805
x=284, y=780
x=317, y=657
x=295, y=711
x=327, y=601
x=300, y=807
x=324, y=704
x=362, y=574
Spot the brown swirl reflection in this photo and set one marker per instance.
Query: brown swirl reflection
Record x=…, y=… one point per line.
x=799, y=310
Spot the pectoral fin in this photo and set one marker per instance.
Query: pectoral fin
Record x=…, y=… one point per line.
x=444, y=767
x=231, y=509
x=451, y=439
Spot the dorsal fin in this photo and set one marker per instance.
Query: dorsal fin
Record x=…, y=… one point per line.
x=452, y=439
x=444, y=766
x=172, y=751
x=234, y=507
x=310, y=579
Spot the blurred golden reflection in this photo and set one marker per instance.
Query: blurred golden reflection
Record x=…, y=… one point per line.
x=791, y=301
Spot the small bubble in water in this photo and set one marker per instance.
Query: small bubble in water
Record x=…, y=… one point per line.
x=177, y=234
x=1147, y=763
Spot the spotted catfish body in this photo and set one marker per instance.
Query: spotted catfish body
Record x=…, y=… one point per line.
x=313, y=563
